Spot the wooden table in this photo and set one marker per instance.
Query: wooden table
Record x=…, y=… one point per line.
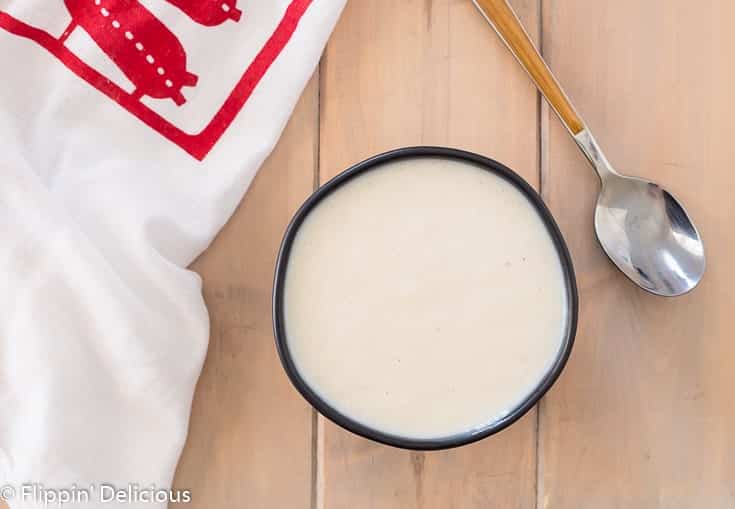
x=643, y=416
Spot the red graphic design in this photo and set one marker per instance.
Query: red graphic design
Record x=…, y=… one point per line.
x=209, y=12
x=167, y=73
x=142, y=47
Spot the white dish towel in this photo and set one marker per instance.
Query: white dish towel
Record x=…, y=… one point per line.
x=129, y=131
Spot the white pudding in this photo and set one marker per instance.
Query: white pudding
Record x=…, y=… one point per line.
x=424, y=298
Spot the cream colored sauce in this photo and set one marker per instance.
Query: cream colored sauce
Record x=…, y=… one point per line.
x=424, y=298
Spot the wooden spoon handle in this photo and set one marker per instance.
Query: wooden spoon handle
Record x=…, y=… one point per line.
x=509, y=28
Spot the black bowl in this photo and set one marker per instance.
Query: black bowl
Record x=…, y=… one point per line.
x=405, y=442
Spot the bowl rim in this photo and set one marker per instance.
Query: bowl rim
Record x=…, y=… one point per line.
x=346, y=422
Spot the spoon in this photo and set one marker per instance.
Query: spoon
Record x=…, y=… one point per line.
x=643, y=229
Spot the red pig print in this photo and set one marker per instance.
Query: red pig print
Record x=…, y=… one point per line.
x=209, y=12
x=151, y=57
x=156, y=63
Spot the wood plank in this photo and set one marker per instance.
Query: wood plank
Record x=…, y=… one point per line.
x=410, y=73
x=250, y=443
x=506, y=23
x=643, y=415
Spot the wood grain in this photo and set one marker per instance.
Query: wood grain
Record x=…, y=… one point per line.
x=505, y=21
x=250, y=443
x=643, y=415
x=410, y=73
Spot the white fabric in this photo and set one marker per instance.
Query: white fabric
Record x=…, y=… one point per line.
x=103, y=330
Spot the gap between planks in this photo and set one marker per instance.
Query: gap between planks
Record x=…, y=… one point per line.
x=542, y=124
x=317, y=423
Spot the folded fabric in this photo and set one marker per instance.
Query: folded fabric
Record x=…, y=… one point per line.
x=129, y=131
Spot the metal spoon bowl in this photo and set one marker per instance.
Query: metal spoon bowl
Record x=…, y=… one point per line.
x=647, y=234
x=643, y=229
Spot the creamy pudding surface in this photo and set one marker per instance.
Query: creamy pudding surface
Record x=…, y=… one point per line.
x=424, y=298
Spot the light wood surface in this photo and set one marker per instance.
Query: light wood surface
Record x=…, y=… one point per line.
x=643, y=416
x=509, y=28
